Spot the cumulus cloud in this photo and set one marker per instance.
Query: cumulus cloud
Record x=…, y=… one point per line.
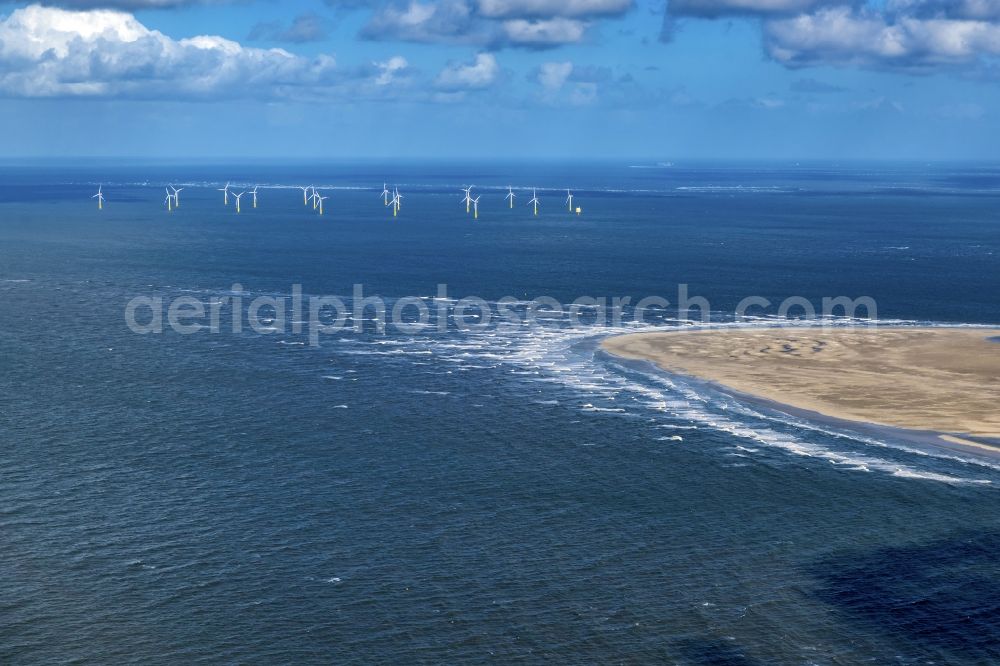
x=552, y=75
x=390, y=71
x=536, y=24
x=307, y=27
x=845, y=36
x=445, y=21
x=566, y=82
x=50, y=52
x=912, y=35
x=678, y=10
x=480, y=73
x=543, y=33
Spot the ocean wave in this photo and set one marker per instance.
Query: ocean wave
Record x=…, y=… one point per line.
x=570, y=359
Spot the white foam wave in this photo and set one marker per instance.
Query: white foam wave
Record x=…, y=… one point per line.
x=568, y=357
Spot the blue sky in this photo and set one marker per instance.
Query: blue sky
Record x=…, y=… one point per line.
x=330, y=79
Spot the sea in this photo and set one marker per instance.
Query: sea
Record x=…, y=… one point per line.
x=463, y=489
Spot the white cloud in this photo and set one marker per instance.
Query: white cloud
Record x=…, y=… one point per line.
x=535, y=24
x=446, y=21
x=552, y=75
x=543, y=33
x=891, y=34
x=50, y=52
x=860, y=37
x=388, y=69
x=481, y=73
x=565, y=82
x=552, y=8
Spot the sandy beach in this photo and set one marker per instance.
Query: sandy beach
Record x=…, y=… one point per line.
x=944, y=380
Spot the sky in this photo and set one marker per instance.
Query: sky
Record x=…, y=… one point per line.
x=503, y=79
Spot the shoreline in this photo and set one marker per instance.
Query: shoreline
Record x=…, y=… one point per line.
x=758, y=381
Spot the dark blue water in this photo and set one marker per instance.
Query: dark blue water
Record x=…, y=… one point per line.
x=448, y=496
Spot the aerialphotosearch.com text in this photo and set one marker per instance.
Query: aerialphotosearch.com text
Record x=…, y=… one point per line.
x=316, y=316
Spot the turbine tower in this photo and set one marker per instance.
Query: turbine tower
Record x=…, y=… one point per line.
x=238, y=200
x=305, y=198
x=534, y=200
x=225, y=194
x=385, y=193
x=177, y=197
x=510, y=196
x=569, y=200
x=100, y=197
x=169, y=201
x=396, y=199
x=475, y=208
x=467, y=200
x=253, y=193
x=321, y=200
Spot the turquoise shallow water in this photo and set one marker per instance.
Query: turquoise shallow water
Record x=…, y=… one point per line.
x=510, y=493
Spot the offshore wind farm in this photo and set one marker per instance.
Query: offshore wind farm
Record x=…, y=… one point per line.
x=311, y=196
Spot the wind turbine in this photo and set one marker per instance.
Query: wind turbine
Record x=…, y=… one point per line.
x=510, y=195
x=305, y=199
x=468, y=197
x=225, y=194
x=169, y=201
x=475, y=208
x=253, y=192
x=396, y=197
x=321, y=200
x=238, y=200
x=385, y=193
x=534, y=200
x=100, y=197
x=177, y=198
x=569, y=200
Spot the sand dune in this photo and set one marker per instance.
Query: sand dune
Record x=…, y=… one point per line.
x=945, y=380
